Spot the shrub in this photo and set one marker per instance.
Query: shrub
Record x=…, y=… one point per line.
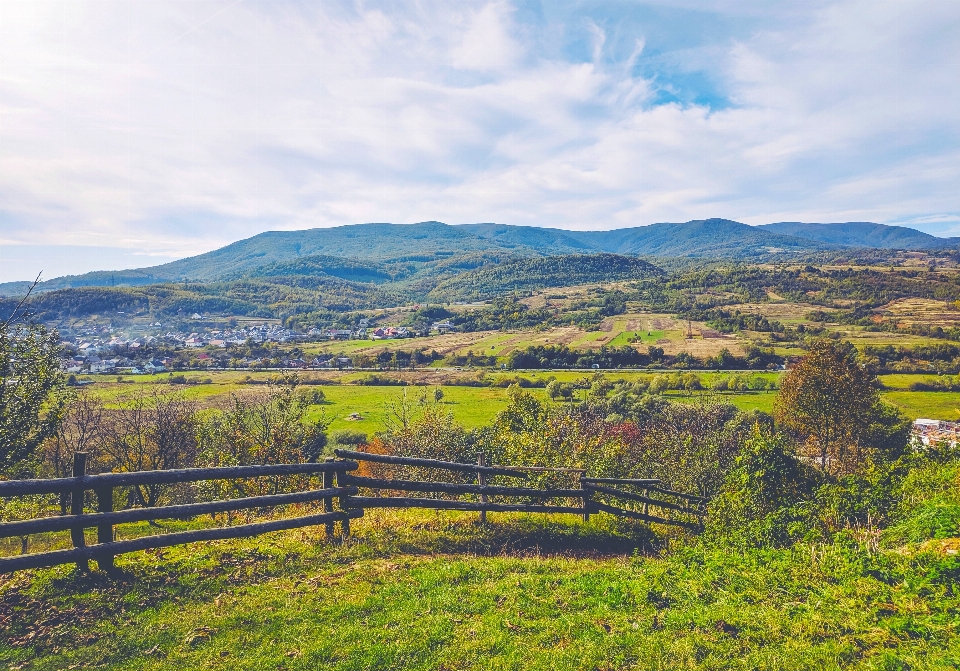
x=346, y=437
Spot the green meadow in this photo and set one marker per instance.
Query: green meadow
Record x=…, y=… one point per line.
x=474, y=406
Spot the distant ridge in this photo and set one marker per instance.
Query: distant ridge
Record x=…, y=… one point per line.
x=862, y=234
x=376, y=252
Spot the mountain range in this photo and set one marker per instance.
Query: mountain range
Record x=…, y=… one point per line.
x=433, y=252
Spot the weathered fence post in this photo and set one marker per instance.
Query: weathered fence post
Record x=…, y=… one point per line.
x=76, y=506
x=328, y=500
x=105, y=531
x=586, y=499
x=482, y=481
x=646, y=504
x=343, y=501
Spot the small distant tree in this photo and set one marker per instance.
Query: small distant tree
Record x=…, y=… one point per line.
x=437, y=395
x=830, y=398
x=553, y=389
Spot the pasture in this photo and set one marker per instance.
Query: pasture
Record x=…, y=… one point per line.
x=474, y=406
x=434, y=590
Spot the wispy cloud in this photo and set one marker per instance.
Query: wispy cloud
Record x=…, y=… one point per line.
x=179, y=126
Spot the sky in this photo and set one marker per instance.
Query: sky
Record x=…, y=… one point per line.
x=136, y=132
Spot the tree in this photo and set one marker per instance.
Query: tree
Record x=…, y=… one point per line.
x=830, y=398
x=33, y=391
x=79, y=431
x=553, y=389
x=150, y=433
x=437, y=395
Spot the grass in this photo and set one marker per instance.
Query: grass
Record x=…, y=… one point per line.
x=425, y=590
x=929, y=404
x=476, y=406
x=627, y=337
x=471, y=406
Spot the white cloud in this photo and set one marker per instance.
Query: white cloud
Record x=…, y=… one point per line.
x=180, y=126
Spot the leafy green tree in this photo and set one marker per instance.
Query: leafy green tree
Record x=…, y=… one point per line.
x=831, y=399
x=757, y=503
x=33, y=391
x=553, y=389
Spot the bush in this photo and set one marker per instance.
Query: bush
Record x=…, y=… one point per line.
x=346, y=437
x=313, y=396
x=758, y=504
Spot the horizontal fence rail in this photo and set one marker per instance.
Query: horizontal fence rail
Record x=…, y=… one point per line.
x=429, y=463
x=457, y=488
x=105, y=518
x=340, y=485
x=104, y=550
x=442, y=504
x=172, y=476
x=67, y=522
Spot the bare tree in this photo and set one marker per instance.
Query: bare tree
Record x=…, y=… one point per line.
x=150, y=433
x=79, y=431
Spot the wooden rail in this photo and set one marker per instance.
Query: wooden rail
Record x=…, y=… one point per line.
x=589, y=489
x=429, y=463
x=105, y=518
x=339, y=496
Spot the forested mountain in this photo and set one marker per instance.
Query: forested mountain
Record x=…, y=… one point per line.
x=318, y=265
x=718, y=238
x=426, y=253
x=540, y=273
x=862, y=234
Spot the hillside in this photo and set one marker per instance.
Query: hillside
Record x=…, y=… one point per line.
x=862, y=234
x=414, y=252
x=717, y=238
x=540, y=273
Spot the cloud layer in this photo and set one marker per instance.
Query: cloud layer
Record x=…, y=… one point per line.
x=175, y=127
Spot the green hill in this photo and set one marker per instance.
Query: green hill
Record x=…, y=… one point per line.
x=429, y=252
x=862, y=234
x=540, y=273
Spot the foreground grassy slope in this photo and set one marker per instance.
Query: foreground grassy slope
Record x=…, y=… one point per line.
x=436, y=591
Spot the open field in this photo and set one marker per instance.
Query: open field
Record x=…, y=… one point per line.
x=650, y=329
x=432, y=590
x=476, y=406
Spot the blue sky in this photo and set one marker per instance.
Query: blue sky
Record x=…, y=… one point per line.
x=134, y=133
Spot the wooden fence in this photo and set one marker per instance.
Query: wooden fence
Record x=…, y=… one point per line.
x=633, y=498
x=630, y=498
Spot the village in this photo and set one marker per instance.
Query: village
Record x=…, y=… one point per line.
x=107, y=350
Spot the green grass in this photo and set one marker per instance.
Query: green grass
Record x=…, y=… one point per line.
x=627, y=337
x=471, y=406
x=425, y=590
x=476, y=406
x=929, y=404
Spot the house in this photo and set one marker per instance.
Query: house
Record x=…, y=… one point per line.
x=344, y=363
x=154, y=366
x=932, y=431
x=217, y=342
x=443, y=327
x=340, y=334
x=103, y=366
x=193, y=342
